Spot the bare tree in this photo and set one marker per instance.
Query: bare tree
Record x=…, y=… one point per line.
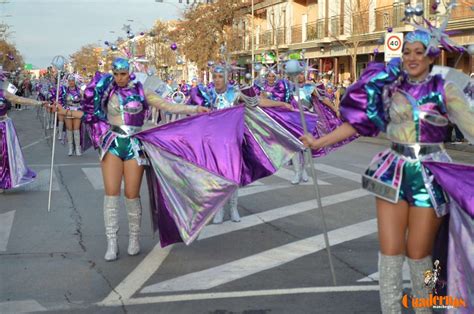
x=5, y=31
x=277, y=21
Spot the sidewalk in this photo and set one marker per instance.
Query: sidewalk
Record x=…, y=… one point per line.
x=382, y=140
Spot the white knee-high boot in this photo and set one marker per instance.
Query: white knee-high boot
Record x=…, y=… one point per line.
x=297, y=168
x=134, y=212
x=77, y=142
x=234, y=211
x=111, y=226
x=417, y=274
x=60, y=130
x=219, y=216
x=52, y=121
x=70, y=142
x=391, y=283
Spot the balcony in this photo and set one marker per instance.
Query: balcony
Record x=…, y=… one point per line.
x=269, y=38
x=360, y=23
x=237, y=43
x=280, y=38
x=296, y=34
x=337, y=25
x=389, y=16
x=316, y=30
x=265, y=39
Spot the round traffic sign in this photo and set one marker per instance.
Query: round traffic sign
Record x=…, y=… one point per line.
x=394, y=43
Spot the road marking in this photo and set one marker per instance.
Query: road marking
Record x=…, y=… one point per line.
x=279, y=213
x=41, y=183
x=137, y=278
x=134, y=281
x=249, y=190
x=241, y=268
x=150, y=264
x=37, y=142
x=375, y=276
x=66, y=165
x=6, y=222
x=346, y=174
x=242, y=294
x=94, y=175
x=23, y=306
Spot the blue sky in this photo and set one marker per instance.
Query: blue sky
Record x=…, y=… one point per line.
x=45, y=28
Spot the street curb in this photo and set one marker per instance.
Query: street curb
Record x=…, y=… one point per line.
x=382, y=140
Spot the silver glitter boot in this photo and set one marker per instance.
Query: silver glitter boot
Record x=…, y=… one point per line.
x=134, y=212
x=111, y=226
x=391, y=283
x=417, y=274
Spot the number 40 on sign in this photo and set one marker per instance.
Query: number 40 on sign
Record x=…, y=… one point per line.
x=393, y=46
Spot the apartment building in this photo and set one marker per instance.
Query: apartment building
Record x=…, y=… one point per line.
x=339, y=36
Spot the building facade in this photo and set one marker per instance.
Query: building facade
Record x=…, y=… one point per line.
x=339, y=36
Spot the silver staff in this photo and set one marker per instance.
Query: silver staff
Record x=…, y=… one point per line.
x=293, y=68
x=58, y=63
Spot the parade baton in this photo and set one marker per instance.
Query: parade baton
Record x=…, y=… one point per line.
x=58, y=63
x=293, y=68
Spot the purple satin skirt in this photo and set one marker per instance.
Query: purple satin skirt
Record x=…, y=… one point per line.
x=13, y=170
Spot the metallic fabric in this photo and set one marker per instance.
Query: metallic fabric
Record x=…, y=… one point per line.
x=126, y=148
x=318, y=125
x=13, y=170
x=409, y=112
x=418, y=36
x=416, y=151
x=110, y=111
x=398, y=173
x=200, y=161
x=279, y=91
x=362, y=104
x=460, y=268
x=3, y=104
x=121, y=64
x=460, y=258
x=70, y=98
x=459, y=187
x=195, y=97
x=188, y=196
x=414, y=114
x=460, y=109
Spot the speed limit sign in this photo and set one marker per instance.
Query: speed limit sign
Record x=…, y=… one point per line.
x=393, y=45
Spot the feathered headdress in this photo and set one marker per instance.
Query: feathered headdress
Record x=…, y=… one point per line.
x=432, y=37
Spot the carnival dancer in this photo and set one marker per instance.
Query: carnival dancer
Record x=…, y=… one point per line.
x=414, y=108
x=314, y=99
x=221, y=96
x=71, y=97
x=115, y=110
x=44, y=94
x=281, y=90
x=13, y=170
x=273, y=87
x=168, y=93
